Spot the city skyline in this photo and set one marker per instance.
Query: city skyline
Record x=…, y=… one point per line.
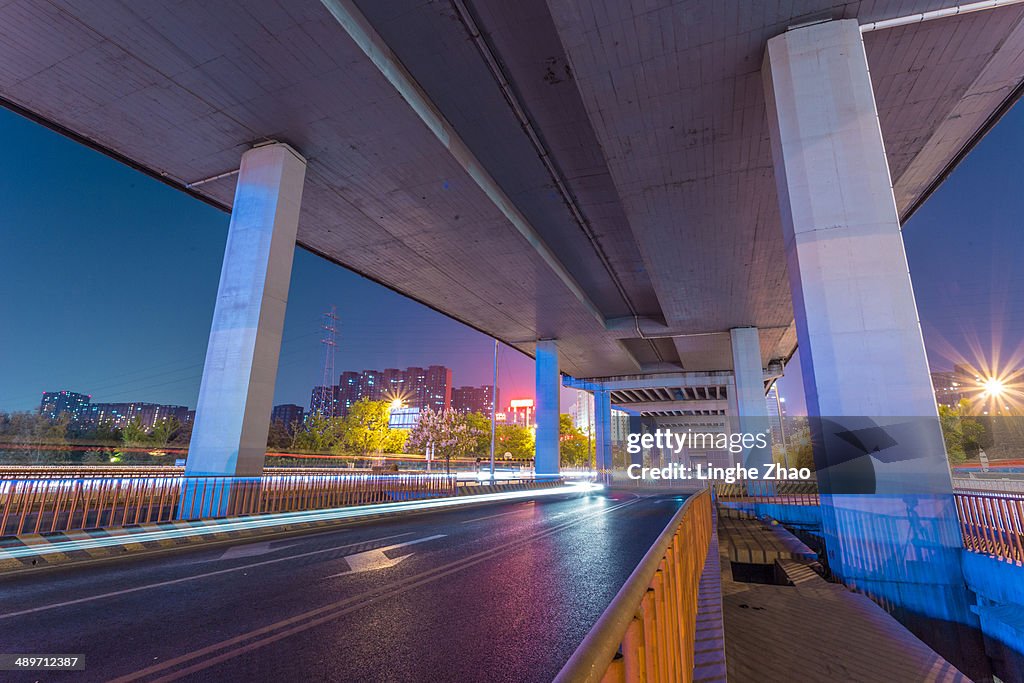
x=472, y=394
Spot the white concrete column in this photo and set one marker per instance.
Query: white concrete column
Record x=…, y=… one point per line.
x=888, y=515
x=237, y=390
x=751, y=416
x=636, y=426
x=856, y=315
x=732, y=423
x=548, y=408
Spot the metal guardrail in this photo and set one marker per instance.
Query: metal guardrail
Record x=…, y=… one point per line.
x=647, y=632
x=90, y=471
x=504, y=468
x=66, y=503
x=123, y=471
x=10, y=472
x=775, y=492
x=992, y=524
x=978, y=485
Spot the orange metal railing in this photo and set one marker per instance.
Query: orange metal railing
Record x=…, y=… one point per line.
x=101, y=471
x=134, y=471
x=804, y=492
x=647, y=632
x=992, y=524
x=94, y=500
x=90, y=471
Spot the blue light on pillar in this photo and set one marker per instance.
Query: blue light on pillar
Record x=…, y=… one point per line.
x=548, y=408
x=603, y=423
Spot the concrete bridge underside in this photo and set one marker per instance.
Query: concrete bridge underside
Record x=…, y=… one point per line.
x=632, y=138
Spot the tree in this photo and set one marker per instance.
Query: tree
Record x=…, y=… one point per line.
x=395, y=443
x=183, y=436
x=133, y=434
x=107, y=432
x=163, y=431
x=481, y=426
x=449, y=432
x=366, y=427
x=34, y=428
x=36, y=431
x=515, y=439
x=320, y=434
x=575, y=448
x=278, y=436
x=798, y=451
x=964, y=436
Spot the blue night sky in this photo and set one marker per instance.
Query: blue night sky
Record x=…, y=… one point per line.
x=108, y=281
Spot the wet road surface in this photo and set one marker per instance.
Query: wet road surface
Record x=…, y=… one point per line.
x=497, y=593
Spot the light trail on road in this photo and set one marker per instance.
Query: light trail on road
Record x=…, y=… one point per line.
x=270, y=521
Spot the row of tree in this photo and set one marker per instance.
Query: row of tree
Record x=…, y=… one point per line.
x=364, y=431
x=450, y=434
x=965, y=437
x=34, y=429
x=447, y=434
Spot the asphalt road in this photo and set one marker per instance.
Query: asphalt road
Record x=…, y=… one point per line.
x=498, y=593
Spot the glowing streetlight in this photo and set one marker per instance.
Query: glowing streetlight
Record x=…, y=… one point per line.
x=993, y=387
x=396, y=404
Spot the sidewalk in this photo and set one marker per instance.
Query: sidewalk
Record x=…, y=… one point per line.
x=815, y=631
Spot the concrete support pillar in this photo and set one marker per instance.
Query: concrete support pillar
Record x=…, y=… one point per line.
x=751, y=416
x=603, y=424
x=237, y=390
x=732, y=424
x=889, y=519
x=636, y=426
x=548, y=408
x=600, y=428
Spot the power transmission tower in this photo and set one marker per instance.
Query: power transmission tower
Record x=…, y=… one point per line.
x=329, y=325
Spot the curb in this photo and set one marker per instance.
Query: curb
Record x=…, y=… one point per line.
x=54, y=556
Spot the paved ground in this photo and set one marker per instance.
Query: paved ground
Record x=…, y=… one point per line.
x=498, y=593
x=818, y=632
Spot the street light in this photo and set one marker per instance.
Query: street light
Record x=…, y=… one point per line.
x=994, y=387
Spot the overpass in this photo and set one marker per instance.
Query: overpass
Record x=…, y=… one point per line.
x=644, y=196
x=602, y=178
x=617, y=159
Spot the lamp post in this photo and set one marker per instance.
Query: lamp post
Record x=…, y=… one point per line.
x=396, y=404
x=494, y=405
